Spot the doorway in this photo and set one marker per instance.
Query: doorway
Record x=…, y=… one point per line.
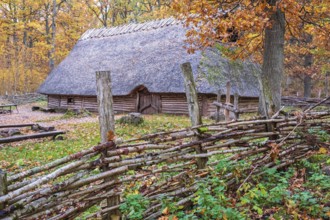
x=148, y=103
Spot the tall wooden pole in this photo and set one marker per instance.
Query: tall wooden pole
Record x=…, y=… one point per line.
x=105, y=104
x=227, y=101
x=107, y=124
x=217, y=117
x=192, y=100
x=191, y=93
x=236, y=97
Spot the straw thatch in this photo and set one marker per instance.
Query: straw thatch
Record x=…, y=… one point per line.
x=147, y=54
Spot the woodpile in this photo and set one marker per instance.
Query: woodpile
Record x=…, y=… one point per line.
x=65, y=188
x=11, y=133
x=4, y=111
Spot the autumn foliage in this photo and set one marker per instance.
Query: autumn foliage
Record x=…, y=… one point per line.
x=242, y=23
x=35, y=35
x=240, y=27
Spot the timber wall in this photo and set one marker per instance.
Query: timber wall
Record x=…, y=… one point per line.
x=169, y=104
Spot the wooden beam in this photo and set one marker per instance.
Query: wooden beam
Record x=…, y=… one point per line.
x=194, y=112
x=227, y=101
x=217, y=117
x=228, y=107
x=30, y=136
x=17, y=126
x=236, y=105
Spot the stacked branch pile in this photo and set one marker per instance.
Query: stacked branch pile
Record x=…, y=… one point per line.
x=65, y=188
x=301, y=101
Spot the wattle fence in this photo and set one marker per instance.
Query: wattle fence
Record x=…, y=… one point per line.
x=164, y=163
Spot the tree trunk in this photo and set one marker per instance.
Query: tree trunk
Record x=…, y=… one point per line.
x=326, y=84
x=308, y=60
x=307, y=86
x=273, y=62
x=52, y=50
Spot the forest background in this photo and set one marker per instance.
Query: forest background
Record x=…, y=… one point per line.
x=35, y=35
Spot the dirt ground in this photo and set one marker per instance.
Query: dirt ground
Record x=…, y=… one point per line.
x=26, y=115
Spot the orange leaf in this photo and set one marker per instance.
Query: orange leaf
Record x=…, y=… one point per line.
x=166, y=211
x=111, y=135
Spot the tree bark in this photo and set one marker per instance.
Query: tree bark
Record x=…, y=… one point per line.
x=307, y=86
x=326, y=84
x=273, y=64
x=53, y=40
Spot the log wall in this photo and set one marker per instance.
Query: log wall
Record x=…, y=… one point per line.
x=54, y=101
x=170, y=103
x=174, y=104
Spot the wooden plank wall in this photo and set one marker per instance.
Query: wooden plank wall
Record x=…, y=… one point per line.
x=170, y=103
x=124, y=104
x=121, y=103
x=77, y=102
x=53, y=101
x=174, y=104
x=90, y=104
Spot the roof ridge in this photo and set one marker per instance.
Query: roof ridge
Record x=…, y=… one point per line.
x=129, y=28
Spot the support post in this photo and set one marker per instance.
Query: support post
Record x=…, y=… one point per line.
x=217, y=117
x=227, y=101
x=105, y=104
x=107, y=124
x=3, y=186
x=236, y=105
x=192, y=100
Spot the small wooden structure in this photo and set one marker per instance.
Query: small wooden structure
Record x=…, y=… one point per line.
x=144, y=60
x=3, y=108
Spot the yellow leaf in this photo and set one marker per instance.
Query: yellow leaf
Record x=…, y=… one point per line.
x=166, y=211
x=323, y=150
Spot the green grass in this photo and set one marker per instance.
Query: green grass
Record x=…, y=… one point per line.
x=24, y=155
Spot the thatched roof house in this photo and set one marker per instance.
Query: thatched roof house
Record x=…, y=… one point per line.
x=144, y=60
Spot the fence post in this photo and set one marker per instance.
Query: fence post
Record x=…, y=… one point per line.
x=192, y=100
x=3, y=186
x=217, y=117
x=227, y=116
x=107, y=123
x=236, y=105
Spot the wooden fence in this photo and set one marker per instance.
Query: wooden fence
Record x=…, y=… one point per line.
x=301, y=101
x=164, y=163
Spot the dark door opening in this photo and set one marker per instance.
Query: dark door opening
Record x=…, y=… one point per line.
x=148, y=103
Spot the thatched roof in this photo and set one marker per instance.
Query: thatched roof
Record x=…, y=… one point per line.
x=147, y=54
